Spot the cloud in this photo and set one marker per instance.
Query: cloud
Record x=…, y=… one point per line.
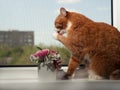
x=67, y=1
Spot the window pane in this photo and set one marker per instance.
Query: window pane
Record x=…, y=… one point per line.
x=27, y=24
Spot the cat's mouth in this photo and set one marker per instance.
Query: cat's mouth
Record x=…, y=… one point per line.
x=61, y=32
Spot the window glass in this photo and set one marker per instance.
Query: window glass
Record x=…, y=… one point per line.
x=28, y=24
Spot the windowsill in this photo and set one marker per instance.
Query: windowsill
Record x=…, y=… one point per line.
x=25, y=74
x=26, y=78
x=20, y=74
x=12, y=74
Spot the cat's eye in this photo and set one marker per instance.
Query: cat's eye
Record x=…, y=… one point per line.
x=59, y=25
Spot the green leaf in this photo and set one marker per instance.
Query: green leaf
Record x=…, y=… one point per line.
x=39, y=48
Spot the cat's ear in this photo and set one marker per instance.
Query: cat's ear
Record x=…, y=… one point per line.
x=63, y=11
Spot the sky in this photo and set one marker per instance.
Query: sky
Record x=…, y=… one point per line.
x=39, y=15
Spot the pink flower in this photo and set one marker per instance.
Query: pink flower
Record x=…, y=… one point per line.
x=51, y=57
x=42, y=53
x=39, y=54
x=52, y=52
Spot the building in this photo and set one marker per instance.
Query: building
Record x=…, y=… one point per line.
x=17, y=38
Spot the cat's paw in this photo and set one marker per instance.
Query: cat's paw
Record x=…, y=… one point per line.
x=55, y=35
x=65, y=77
x=93, y=76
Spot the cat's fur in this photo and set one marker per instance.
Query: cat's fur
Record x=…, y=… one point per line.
x=104, y=67
x=82, y=33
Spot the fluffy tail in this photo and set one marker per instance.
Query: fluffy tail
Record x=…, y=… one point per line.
x=115, y=75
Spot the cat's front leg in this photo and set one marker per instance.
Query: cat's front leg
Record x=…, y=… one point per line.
x=60, y=37
x=73, y=64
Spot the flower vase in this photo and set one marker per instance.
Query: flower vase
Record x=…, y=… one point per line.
x=45, y=74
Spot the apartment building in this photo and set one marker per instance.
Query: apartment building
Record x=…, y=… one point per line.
x=17, y=38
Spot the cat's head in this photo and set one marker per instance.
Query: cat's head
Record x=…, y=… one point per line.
x=62, y=24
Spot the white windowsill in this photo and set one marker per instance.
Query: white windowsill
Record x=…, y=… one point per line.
x=26, y=78
x=20, y=74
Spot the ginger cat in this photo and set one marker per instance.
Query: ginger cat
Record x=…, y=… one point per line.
x=101, y=61
x=85, y=39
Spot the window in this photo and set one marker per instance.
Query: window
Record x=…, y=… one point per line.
x=27, y=24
